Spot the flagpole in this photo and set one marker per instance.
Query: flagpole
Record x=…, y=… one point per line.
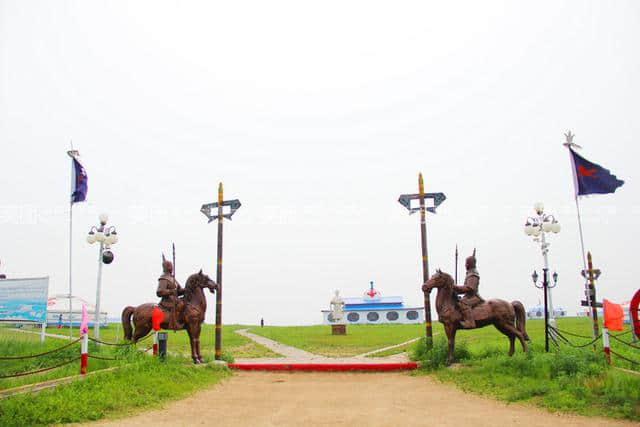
x=70, y=264
x=584, y=260
x=569, y=143
x=72, y=153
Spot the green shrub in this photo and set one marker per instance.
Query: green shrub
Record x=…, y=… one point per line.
x=574, y=362
x=437, y=356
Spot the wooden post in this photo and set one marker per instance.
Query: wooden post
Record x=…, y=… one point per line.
x=425, y=264
x=218, y=354
x=207, y=210
x=592, y=296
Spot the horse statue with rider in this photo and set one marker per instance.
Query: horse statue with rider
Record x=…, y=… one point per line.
x=472, y=311
x=182, y=308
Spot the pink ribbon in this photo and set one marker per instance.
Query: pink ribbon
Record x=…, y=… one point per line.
x=84, y=324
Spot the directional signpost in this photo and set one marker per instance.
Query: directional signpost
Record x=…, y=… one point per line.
x=405, y=200
x=208, y=210
x=592, y=274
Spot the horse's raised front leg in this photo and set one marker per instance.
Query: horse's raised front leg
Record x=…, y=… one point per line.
x=450, y=330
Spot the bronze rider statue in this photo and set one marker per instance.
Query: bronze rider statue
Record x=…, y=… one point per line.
x=169, y=289
x=470, y=298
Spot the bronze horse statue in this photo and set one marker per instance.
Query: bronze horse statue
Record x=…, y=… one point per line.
x=508, y=318
x=191, y=318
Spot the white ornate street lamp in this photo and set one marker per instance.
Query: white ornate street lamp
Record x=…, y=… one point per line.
x=537, y=227
x=106, y=236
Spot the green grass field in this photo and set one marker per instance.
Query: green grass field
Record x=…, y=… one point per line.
x=143, y=384
x=232, y=343
x=359, y=339
x=16, y=343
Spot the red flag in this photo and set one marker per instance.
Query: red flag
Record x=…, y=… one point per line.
x=613, y=315
x=156, y=318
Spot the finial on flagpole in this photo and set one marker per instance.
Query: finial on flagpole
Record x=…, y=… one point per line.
x=569, y=137
x=73, y=153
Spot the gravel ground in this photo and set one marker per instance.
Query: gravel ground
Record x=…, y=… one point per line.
x=345, y=399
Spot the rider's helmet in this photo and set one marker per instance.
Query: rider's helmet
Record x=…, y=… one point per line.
x=167, y=266
x=470, y=262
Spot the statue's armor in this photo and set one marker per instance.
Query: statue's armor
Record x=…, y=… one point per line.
x=168, y=289
x=470, y=289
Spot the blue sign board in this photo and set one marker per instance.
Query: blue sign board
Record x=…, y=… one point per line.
x=24, y=300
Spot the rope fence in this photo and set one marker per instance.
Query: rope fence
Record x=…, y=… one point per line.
x=570, y=333
x=569, y=343
x=22, y=374
x=84, y=356
x=615, y=337
x=91, y=356
x=119, y=344
x=40, y=354
x=633, y=362
x=606, y=344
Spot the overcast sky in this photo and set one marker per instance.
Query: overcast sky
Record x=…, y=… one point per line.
x=317, y=116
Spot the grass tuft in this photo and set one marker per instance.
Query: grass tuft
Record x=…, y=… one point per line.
x=436, y=357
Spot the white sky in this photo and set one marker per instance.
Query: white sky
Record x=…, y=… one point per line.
x=317, y=116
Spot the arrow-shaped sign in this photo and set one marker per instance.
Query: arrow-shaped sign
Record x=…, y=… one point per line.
x=209, y=207
x=438, y=198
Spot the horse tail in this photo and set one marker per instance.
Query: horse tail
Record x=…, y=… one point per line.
x=521, y=318
x=126, y=322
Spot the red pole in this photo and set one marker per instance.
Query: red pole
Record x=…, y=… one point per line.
x=84, y=353
x=605, y=343
x=155, y=343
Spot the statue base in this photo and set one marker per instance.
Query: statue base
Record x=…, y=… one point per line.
x=338, y=329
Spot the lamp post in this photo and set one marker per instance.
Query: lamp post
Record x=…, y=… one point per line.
x=546, y=286
x=106, y=236
x=537, y=227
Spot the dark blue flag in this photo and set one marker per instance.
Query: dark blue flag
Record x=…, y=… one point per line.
x=590, y=178
x=79, y=186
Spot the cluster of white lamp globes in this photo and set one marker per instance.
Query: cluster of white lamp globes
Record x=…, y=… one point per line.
x=543, y=223
x=104, y=235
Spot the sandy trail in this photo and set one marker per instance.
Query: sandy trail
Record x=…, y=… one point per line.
x=345, y=399
x=296, y=355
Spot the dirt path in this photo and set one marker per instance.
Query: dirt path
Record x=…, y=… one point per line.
x=345, y=399
x=296, y=355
